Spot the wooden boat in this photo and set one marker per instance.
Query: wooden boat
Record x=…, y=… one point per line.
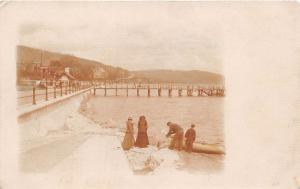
x=197, y=147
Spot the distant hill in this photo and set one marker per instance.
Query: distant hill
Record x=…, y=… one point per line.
x=176, y=76
x=30, y=59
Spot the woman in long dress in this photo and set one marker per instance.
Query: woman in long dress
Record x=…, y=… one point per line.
x=128, y=141
x=142, y=140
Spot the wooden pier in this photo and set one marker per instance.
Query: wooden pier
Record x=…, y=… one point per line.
x=37, y=94
x=158, y=89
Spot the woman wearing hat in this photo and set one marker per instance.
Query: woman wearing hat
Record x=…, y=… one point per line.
x=142, y=140
x=128, y=141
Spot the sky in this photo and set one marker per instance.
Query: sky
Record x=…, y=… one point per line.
x=132, y=35
x=152, y=35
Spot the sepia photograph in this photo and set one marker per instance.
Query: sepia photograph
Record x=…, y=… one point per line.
x=148, y=94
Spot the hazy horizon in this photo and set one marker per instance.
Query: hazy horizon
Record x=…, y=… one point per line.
x=132, y=70
x=131, y=35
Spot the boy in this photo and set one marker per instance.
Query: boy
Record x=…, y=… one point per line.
x=190, y=136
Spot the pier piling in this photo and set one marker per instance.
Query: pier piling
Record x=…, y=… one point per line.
x=200, y=91
x=149, y=91
x=170, y=92
x=180, y=92
x=116, y=90
x=159, y=91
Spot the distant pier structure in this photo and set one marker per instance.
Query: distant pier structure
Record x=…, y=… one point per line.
x=170, y=90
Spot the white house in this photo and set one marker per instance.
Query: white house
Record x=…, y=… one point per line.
x=66, y=77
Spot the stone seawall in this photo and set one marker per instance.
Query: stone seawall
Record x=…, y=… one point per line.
x=42, y=119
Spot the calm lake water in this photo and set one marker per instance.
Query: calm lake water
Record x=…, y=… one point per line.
x=205, y=112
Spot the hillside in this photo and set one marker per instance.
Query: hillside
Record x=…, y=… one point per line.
x=29, y=59
x=194, y=76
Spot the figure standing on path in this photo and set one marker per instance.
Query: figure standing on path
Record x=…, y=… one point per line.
x=190, y=136
x=128, y=141
x=177, y=139
x=142, y=140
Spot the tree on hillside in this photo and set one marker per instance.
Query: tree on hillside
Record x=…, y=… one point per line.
x=56, y=64
x=79, y=70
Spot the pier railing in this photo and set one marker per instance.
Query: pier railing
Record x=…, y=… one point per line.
x=159, y=89
x=44, y=91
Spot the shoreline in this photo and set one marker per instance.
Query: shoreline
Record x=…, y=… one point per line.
x=145, y=161
x=136, y=167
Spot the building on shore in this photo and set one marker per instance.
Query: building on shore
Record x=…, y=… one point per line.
x=66, y=78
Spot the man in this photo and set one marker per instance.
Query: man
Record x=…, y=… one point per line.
x=177, y=139
x=190, y=136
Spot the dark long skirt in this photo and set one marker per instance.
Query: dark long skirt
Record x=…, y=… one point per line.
x=142, y=140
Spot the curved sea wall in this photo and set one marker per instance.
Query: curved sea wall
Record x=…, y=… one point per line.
x=43, y=119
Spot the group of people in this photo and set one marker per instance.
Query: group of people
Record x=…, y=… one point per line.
x=142, y=140
x=177, y=140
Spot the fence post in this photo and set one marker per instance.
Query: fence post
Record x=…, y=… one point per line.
x=33, y=95
x=66, y=89
x=105, y=88
x=46, y=91
x=54, y=89
x=116, y=89
x=60, y=85
x=69, y=87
